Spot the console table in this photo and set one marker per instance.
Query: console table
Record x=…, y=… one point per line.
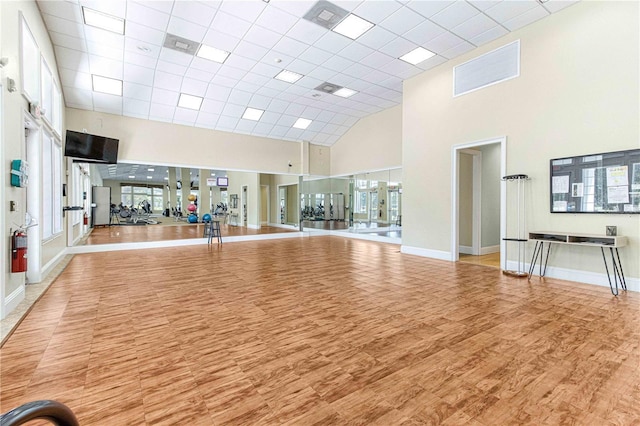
x=602, y=241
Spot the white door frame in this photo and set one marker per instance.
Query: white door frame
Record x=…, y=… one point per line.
x=455, y=212
x=476, y=214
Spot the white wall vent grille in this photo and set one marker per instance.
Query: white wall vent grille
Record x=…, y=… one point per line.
x=491, y=68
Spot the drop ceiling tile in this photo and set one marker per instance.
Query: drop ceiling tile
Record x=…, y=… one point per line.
x=175, y=57
x=245, y=126
x=220, y=40
x=329, y=128
x=396, y=66
x=164, y=6
x=424, y=32
x=402, y=20
x=309, y=82
x=207, y=120
x=487, y=36
x=231, y=110
x=250, y=50
x=443, y=42
x=287, y=120
x=247, y=10
x=557, y=5
x=306, y=32
x=116, y=54
x=262, y=129
x=435, y=60
x=239, y=97
x=279, y=131
x=351, y=121
x=212, y=106
x=296, y=8
x=483, y=4
x=277, y=59
x=376, y=37
x=455, y=14
x=294, y=110
x=205, y=65
x=356, y=70
x=325, y=116
x=199, y=75
x=218, y=93
x=168, y=81
x=375, y=76
x=334, y=42
x=136, y=91
x=221, y=80
x=376, y=11
x=259, y=102
x=458, y=50
x=262, y=36
x=337, y=63
x=256, y=79
x=194, y=11
x=227, y=123
x=147, y=15
x=276, y=20
x=277, y=85
x=474, y=26
x=356, y=51
x=321, y=138
x=294, y=134
x=67, y=10
x=270, y=117
x=107, y=103
x=428, y=8
x=194, y=87
x=111, y=8
x=290, y=46
x=247, y=87
x=311, y=112
x=376, y=59
x=65, y=26
x=144, y=33
x=232, y=73
x=68, y=41
x=186, y=29
x=229, y=24
x=160, y=111
x=315, y=56
x=506, y=10
x=185, y=116
x=78, y=96
x=171, y=68
x=410, y=73
x=239, y=63
x=131, y=57
x=301, y=67
x=398, y=47
x=135, y=106
x=137, y=74
x=526, y=18
x=393, y=83
x=265, y=91
x=164, y=97
x=105, y=67
x=69, y=58
x=265, y=70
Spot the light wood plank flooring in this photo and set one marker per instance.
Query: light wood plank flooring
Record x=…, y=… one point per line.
x=492, y=259
x=322, y=330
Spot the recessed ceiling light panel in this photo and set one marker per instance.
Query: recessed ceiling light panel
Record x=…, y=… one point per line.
x=102, y=20
x=212, y=54
x=180, y=44
x=353, y=26
x=344, y=92
x=328, y=87
x=288, y=76
x=107, y=85
x=252, y=114
x=417, y=55
x=189, y=101
x=301, y=123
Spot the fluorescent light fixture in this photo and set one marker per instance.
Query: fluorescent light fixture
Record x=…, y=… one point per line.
x=132, y=177
x=189, y=101
x=344, y=92
x=107, y=85
x=252, y=114
x=301, y=123
x=353, y=26
x=102, y=20
x=213, y=174
x=151, y=170
x=212, y=54
x=149, y=177
x=288, y=76
x=166, y=178
x=417, y=55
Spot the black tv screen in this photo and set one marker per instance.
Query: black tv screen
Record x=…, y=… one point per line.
x=91, y=148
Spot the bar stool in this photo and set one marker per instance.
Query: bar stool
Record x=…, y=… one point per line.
x=212, y=230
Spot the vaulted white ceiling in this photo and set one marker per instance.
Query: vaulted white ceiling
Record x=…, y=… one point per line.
x=264, y=38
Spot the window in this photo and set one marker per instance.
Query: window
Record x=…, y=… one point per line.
x=51, y=186
x=56, y=111
x=30, y=61
x=134, y=196
x=47, y=100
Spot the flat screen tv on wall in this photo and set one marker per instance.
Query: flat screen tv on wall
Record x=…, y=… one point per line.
x=91, y=148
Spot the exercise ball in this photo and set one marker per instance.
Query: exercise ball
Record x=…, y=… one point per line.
x=206, y=217
x=193, y=218
x=192, y=207
x=191, y=197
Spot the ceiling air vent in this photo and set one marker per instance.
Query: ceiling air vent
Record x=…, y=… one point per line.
x=328, y=87
x=491, y=68
x=181, y=44
x=325, y=14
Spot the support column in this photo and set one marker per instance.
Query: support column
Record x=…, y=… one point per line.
x=204, y=202
x=185, y=177
x=172, y=188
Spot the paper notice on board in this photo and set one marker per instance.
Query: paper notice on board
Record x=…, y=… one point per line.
x=560, y=184
x=577, y=189
x=617, y=176
x=559, y=206
x=617, y=194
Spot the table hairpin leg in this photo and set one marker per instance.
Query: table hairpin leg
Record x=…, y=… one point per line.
x=539, y=251
x=618, y=274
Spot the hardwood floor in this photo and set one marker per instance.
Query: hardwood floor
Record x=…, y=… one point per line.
x=492, y=259
x=322, y=330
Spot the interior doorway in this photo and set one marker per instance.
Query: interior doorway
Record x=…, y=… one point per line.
x=478, y=201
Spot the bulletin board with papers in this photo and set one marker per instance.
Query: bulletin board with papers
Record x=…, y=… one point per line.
x=596, y=183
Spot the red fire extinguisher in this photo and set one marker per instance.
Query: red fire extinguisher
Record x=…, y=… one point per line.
x=86, y=218
x=19, y=251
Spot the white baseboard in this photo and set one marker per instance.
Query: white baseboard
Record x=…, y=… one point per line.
x=46, y=269
x=249, y=226
x=418, y=251
x=282, y=225
x=490, y=249
x=585, y=277
x=465, y=250
x=14, y=299
x=363, y=236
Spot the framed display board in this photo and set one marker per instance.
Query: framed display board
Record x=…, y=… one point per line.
x=596, y=183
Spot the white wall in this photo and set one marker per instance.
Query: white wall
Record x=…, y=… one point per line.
x=252, y=181
x=490, y=208
x=577, y=94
